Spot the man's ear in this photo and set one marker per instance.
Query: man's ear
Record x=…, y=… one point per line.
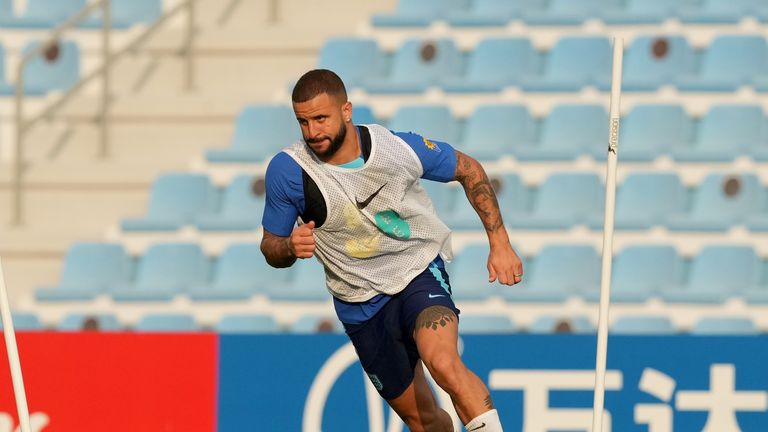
x=346, y=111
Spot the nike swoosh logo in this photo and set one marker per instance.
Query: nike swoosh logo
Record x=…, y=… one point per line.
x=436, y=295
x=363, y=204
x=477, y=428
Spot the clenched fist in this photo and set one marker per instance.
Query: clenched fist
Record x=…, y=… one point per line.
x=302, y=241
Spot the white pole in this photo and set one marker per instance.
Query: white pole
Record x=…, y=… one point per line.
x=610, y=201
x=13, y=356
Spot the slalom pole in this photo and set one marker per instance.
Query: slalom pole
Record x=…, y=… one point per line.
x=13, y=356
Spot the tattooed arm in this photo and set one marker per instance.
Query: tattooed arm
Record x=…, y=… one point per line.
x=503, y=262
x=283, y=251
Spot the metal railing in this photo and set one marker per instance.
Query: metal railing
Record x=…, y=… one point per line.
x=23, y=126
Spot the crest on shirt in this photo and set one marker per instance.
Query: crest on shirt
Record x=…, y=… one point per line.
x=430, y=145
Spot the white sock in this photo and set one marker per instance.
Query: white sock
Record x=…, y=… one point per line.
x=485, y=422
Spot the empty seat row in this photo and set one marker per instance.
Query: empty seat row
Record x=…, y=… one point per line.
x=462, y=13
x=494, y=131
x=48, y=14
x=574, y=62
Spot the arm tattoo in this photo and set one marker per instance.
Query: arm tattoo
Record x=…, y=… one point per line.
x=276, y=251
x=489, y=402
x=434, y=317
x=479, y=191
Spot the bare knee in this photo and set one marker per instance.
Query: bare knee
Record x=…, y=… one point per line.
x=435, y=421
x=447, y=369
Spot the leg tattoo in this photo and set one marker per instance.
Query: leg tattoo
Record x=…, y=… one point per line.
x=434, y=317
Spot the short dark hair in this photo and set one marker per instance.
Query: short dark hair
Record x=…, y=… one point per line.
x=317, y=82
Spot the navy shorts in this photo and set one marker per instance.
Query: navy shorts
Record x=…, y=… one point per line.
x=385, y=343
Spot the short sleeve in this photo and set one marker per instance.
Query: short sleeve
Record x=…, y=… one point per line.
x=438, y=158
x=284, y=195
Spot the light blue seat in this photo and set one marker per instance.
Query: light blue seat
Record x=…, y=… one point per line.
x=644, y=11
x=485, y=324
x=512, y=196
x=42, y=76
x=721, y=201
x=44, y=14
x=434, y=122
x=77, y=321
x=25, y=321
x=573, y=63
x=488, y=13
x=717, y=273
x=654, y=61
x=260, y=132
x=643, y=271
x=546, y=324
x=165, y=270
x=725, y=132
x=355, y=60
x=89, y=270
x=730, y=61
x=494, y=64
x=568, y=12
x=248, y=323
x=176, y=199
x=733, y=325
x=493, y=131
x=643, y=325
x=568, y=132
x=720, y=11
x=240, y=272
x=317, y=323
x=167, y=322
x=419, y=13
x=126, y=13
x=468, y=274
x=307, y=283
x=363, y=114
x=578, y=272
x=644, y=200
x=562, y=201
x=417, y=65
x=241, y=209
x=443, y=197
x=650, y=131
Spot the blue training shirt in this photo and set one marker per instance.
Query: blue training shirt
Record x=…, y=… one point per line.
x=285, y=202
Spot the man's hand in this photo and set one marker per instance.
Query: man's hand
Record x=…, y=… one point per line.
x=504, y=265
x=302, y=241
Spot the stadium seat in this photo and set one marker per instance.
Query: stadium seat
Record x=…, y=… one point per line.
x=718, y=273
x=494, y=64
x=574, y=62
x=44, y=14
x=644, y=200
x=355, y=60
x=546, y=324
x=42, y=76
x=248, y=323
x=241, y=208
x=721, y=201
x=165, y=270
x=729, y=62
x=725, y=132
x=160, y=322
x=568, y=12
x=362, y=114
x=126, y=13
x=489, y=13
x=468, y=274
x=485, y=324
x=435, y=122
x=643, y=325
x=260, y=132
x=443, y=196
x=512, y=196
x=80, y=322
x=578, y=272
x=653, y=61
x=649, y=131
x=719, y=11
x=562, y=201
x=419, y=13
x=307, y=283
x=89, y=270
x=25, y=321
x=568, y=132
x=734, y=325
x=316, y=323
x=643, y=271
x=643, y=12
x=238, y=274
x=176, y=199
x=493, y=131
x=417, y=65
